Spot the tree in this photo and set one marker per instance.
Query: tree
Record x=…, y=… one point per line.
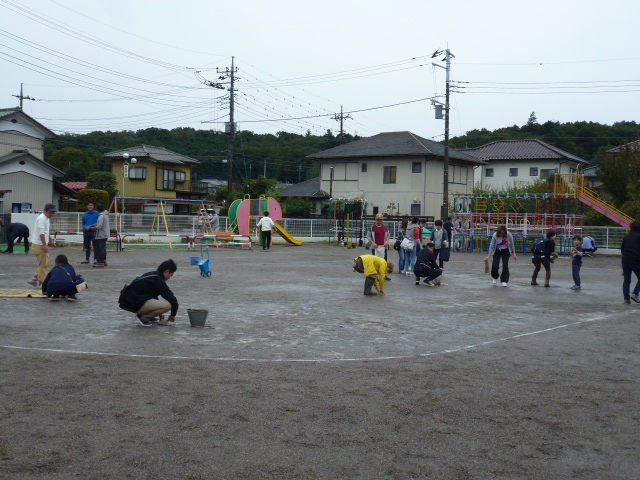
x=103, y=181
x=619, y=173
x=92, y=195
x=297, y=207
x=76, y=163
x=532, y=119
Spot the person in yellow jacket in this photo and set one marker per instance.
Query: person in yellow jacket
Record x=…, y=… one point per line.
x=375, y=270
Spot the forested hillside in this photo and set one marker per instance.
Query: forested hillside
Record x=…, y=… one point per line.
x=282, y=156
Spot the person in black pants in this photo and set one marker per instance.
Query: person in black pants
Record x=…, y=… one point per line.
x=426, y=266
x=15, y=233
x=544, y=258
x=631, y=262
x=501, y=245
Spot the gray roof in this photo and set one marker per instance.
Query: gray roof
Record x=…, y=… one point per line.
x=15, y=155
x=307, y=189
x=591, y=172
x=521, y=150
x=16, y=112
x=635, y=145
x=154, y=154
x=392, y=144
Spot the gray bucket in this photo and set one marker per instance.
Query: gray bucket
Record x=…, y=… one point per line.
x=197, y=317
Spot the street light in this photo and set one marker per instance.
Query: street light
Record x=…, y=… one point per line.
x=125, y=173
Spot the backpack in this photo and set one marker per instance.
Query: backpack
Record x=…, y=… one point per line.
x=539, y=246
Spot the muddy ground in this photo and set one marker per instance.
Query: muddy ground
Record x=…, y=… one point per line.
x=297, y=375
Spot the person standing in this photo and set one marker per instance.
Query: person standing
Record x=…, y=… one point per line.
x=141, y=296
x=214, y=220
x=426, y=266
x=630, y=250
x=41, y=240
x=89, y=220
x=378, y=236
x=404, y=254
x=102, y=235
x=265, y=226
x=501, y=245
x=375, y=270
x=413, y=235
x=576, y=261
x=17, y=232
x=440, y=239
x=448, y=226
x=542, y=255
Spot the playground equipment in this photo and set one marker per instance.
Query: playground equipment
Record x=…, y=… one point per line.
x=348, y=220
x=242, y=211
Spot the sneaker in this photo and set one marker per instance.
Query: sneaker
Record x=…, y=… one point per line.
x=627, y=302
x=55, y=298
x=495, y=281
x=533, y=282
x=155, y=320
x=98, y=265
x=387, y=279
x=85, y=262
x=409, y=274
x=505, y=284
x=33, y=282
x=72, y=298
x=401, y=272
x=428, y=282
x=144, y=323
x=417, y=282
x=370, y=293
x=634, y=297
x=577, y=287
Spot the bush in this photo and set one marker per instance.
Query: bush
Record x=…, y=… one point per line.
x=297, y=207
x=93, y=195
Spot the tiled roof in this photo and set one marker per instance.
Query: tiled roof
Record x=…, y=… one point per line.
x=635, y=145
x=153, y=153
x=392, y=144
x=76, y=185
x=7, y=112
x=307, y=189
x=521, y=150
x=14, y=156
x=591, y=172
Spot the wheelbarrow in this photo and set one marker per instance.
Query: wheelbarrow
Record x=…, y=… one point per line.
x=203, y=263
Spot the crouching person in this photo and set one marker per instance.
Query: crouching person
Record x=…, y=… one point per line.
x=59, y=281
x=426, y=266
x=141, y=296
x=375, y=270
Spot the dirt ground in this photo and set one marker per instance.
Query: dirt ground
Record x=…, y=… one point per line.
x=297, y=375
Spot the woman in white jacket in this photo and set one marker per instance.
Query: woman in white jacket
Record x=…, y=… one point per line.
x=501, y=246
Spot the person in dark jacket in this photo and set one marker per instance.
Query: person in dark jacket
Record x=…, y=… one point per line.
x=15, y=233
x=89, y=220
x=426, y=266
x=59, y=281
x=545, y=259
x=631, y=262
x=141, y=296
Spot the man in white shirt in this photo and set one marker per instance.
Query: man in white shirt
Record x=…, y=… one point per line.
x=40, y=241
x=264, y=226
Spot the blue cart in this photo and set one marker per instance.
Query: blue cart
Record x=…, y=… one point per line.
x=203, y=263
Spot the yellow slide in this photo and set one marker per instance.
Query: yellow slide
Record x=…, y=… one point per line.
x=286, y=235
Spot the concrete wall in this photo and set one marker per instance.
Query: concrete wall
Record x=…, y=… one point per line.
x=501, y=177
x=26, y=187
x=10, y=141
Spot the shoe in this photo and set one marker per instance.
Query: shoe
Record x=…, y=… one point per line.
x=495, y=281
x=72, y=298
x=408, y=274
x=417, y=282
x=533, y=282
x=33, y=282
x=428, y=282
x=85, y=262
x=144, y=323
x=401, y=272
x=627, y=302
x=55, y=298
x=546, y=284
x=577, y=287
x=156, y=320
x=634, y=297
x=505, y=284
x=105, y=264
x=98, y=265
x=370, y=293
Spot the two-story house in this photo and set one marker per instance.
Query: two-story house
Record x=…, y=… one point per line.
x=155, y=173
x=516, y=161
x=395, y=172
x=25, y=177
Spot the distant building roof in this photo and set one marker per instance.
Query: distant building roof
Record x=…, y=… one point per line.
x=77, y=186
x=392, y=144
x=635, y=145
x=308, y=189
x=591, y=172
x=521, y=150
x=154, y=154
x=16, y=115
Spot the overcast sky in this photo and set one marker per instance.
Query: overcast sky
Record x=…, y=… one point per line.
x=133, y=64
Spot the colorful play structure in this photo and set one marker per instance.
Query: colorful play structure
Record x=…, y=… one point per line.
x=244, y=213
x=348, y=220
x=528, y=215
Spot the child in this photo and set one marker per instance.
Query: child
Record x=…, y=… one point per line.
x=59, y=281
x=375, y=270
x=576, y=263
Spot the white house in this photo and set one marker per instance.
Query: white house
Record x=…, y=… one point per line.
x=395, y=172
x=514, y=161
x=25, y=177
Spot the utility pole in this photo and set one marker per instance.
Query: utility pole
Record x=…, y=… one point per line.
x=445, y=187
x=22, y=97
x=341, y=118
x=230, y=128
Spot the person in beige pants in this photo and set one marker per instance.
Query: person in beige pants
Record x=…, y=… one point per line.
x=40, y=241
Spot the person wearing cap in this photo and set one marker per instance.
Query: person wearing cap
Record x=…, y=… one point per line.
x=426, y=266
x=378, y=236
x=40, y=240
x=264, y=226
x=375, y=270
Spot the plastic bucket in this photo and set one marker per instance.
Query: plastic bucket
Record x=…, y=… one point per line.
x=195, y=260
x=197, y=317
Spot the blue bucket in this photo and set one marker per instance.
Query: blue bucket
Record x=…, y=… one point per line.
x=195, y=260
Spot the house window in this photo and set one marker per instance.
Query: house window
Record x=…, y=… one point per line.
x=513, y=172
x=376, y=210
x=545, y=173
x=138, y=173
x=363, y=168
x=533, y=171
x=415, y=209
x=166, y=179
x=488, y=172
x=389, y=175
x=416, y=167
x=572, y=170
x=458, y=174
